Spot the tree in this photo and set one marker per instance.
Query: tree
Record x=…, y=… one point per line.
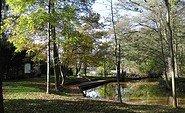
x=172, y=63
x=117, y=51
x=2, y=6
x=167, y=30
x=1, y=74
x=28, y=25
x=79, y=48
x=49, y=49
x=30, y=20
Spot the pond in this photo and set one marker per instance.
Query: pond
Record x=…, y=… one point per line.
x=138, y=92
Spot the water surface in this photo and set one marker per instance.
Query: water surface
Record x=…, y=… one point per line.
x=138, y=92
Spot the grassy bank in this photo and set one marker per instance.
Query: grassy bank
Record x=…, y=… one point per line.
x=28, y=96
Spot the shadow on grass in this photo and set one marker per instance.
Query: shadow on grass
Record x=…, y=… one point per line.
x=80, y=106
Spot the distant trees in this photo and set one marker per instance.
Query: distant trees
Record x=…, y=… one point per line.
x=155, y=37
x=78, y=50
x=150, y=31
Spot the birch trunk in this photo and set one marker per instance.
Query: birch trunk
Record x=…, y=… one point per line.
x=48, y=52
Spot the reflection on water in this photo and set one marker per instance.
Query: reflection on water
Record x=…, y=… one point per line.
x=92, y=93
x=138, y=93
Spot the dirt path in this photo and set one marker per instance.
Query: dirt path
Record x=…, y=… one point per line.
x=74, y=90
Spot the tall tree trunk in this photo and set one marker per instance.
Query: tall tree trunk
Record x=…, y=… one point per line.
x=56, y=61
x=48, y=51
x=1, y=65
x=55, y=53
x=172, y=67
x=117, y=54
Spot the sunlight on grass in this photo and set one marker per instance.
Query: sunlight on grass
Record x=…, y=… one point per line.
x=33, y=88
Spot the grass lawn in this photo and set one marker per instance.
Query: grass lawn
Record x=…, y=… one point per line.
x=28, y=96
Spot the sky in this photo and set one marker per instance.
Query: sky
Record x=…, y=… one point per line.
x=103, y=8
